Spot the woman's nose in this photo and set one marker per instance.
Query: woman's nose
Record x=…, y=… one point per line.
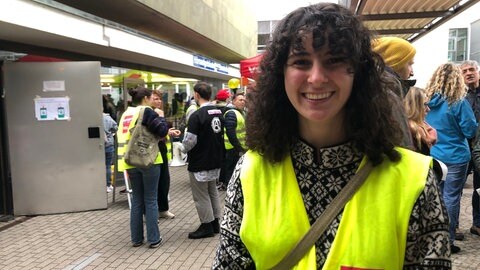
x=318, y=74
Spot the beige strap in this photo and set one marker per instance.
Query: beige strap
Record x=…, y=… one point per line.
x=325, y=219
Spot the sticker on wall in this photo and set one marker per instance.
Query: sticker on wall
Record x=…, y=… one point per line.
x=49, y=86
x=57, y=108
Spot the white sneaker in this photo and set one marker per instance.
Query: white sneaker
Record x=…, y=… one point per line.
x=109, y=189
x=166, y=214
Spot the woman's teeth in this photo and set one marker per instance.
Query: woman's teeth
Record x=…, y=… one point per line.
x=318, y=96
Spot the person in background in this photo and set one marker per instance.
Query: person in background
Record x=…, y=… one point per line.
x=320, y=112
x=109, y=106
x=164, y=180
x=109, y=127
x=452, y=116
x=192, y=107
x=416, y=108
x=222, y=103
x=398, y=55
x=234, y=136
x=221, y=99
x=178, y=106
x=470, y=75
x=476, y=163
x=143, y=181
x=424, y=136
x=204, y=143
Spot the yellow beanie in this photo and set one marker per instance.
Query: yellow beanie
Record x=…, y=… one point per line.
x=396, y=52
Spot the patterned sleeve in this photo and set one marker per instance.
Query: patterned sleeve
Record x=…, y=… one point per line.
x=232, y=253
x=428, y=239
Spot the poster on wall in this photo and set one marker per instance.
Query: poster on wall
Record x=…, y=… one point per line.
x=57, y=108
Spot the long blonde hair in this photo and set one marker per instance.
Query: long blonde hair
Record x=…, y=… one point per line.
x=447, y=81
x=414, y=103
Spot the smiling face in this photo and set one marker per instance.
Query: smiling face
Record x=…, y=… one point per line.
x=318, y=85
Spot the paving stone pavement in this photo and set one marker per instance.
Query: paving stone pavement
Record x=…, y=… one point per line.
x=101, y=239
x=469, y=257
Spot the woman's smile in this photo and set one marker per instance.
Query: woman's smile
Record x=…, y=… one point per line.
x=318, y=96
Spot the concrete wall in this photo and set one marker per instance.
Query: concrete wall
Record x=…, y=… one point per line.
x=229, y=22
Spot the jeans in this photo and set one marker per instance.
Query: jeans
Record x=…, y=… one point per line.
x=476, y=199
x=108, y=163
x=452, y=193
x=144, y=184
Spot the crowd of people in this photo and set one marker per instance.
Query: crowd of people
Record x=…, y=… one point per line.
x=332, y=101
x=205, y=139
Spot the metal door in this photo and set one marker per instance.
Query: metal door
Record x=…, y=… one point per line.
x=55, y=136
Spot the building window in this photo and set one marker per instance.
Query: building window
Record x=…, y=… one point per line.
x=265, y=29
x=457, y=44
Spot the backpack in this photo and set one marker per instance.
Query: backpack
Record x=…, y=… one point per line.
x=142, y=148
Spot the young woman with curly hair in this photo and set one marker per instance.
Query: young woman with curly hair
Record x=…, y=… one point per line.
x=452, y=116
x=321, y=111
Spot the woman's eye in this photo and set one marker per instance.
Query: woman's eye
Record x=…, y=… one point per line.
x=333, y=61
x=339, y=62
x=300, y=63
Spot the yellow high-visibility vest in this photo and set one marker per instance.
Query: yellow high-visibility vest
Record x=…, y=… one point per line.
x=373, y=229
x=127, y=122
x=168, y=143
x=239, y=130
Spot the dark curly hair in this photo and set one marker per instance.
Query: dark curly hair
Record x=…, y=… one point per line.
x=272, y=125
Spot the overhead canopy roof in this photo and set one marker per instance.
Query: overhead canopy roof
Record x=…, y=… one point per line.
x=407, y=19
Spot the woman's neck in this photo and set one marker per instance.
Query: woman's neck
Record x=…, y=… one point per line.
x=322, y=135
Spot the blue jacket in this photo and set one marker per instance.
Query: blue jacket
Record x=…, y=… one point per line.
x=110, y=127
x=454, y=124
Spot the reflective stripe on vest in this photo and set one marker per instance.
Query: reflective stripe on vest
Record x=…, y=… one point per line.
x=127, y=122
x=373, y=229
x=239, y=130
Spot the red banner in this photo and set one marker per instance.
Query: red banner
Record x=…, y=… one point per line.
x=250, y=67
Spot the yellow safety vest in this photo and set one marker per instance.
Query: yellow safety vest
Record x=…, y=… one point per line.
x=127, y=122
x=239, y=130
x=168, y=143
x=373, y=229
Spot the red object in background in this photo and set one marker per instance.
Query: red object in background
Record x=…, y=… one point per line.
x=38, y=58
x=135, y=76
x=250, y=67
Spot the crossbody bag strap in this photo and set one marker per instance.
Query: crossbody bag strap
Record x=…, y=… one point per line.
x=140, y=116
x=139, y=120
x=325, y=219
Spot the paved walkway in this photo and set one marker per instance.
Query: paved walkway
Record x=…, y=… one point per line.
x=101, y=239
